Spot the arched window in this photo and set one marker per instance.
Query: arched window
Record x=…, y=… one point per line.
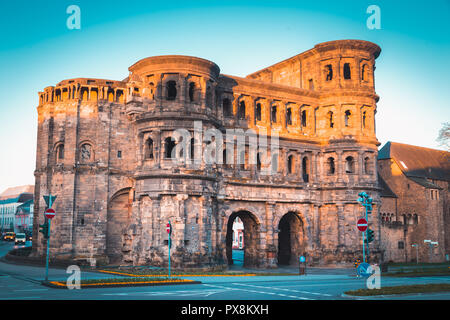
x=149, y=149
x=347, y=118
x=192, y=148
x=119, y=95
x=347, y=73
x=171, y=90
x=288, y=117
x=415, y=219
x=273, y=114
x=209, y=97
x=226, y=105
x=191, y=91
x=110, y=95
x=258, y=112
x=86, y=152
x=364, y=73
x=258, y=161
x=303, y=118
x=364, y=119
x=367, y=165
x=241, y=113
x=169, y=146
x=224, y=155
x=305, y=169
x=330, y=119
x=329, y=72
x=349, y=165
x=60, y=152
x=331, y=165
x=291, y=164
x=84, y=94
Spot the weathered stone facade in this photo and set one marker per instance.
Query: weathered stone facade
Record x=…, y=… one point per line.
x=416, y=205
x=103, y=150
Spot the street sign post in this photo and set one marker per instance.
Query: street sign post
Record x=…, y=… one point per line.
x=169, y=231
x=366, y=201
x=362, y=226
x=49, y=214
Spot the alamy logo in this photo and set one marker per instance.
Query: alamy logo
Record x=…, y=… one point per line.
x=74, y=20
x=374, y=280
x=73, y=281
x=232, y=147
x=374, y=20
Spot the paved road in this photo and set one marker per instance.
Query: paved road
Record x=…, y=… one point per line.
x=23, y=282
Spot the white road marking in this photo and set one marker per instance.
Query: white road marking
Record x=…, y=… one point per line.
x=31, y=290
x=254, y=291
x=20, y=298
x=181, y=293
x=289, y=290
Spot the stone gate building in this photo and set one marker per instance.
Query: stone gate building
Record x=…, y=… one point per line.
x=105, y=150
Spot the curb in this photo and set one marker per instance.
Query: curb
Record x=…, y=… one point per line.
x=62, y=285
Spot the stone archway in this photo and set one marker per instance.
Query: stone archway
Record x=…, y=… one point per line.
x=117, y=220
x=251, y=238
x=291, y=238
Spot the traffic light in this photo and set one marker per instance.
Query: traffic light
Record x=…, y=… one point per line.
x=370, y=235
x=43, y=228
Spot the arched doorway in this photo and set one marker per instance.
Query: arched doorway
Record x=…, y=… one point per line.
x=117, y=219
x=250, y=238
x=290, y=239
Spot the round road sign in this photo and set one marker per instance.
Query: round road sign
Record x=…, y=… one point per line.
x=169, y=228
x=362, y=224
x=50, y=213
x=363, y=269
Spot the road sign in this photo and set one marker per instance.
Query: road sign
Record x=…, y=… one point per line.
x=302, y=259
x=362, y=224
x=50, y=213
x=169, y=228
x=362, y=269
x=48, y=198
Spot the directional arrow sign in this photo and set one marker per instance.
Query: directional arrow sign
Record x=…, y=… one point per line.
x=362, y=224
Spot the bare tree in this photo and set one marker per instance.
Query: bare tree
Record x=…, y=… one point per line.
x=444, y=136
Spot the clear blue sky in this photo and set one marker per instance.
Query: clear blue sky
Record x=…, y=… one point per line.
x=37, y=50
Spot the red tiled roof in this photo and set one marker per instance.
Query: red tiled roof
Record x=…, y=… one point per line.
x=417, y=161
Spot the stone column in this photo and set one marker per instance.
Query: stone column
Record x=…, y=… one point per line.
x=271, y=236
x=157, y=145
x=316, y=219
x=360, y=163
x=340, y=225
x=339, y=166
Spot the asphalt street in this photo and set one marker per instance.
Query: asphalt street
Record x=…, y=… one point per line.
x=20, y=282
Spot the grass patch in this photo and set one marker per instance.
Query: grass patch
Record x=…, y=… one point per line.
x=122, y=282
x=192, y=273
x=419, y=272
x=418, y=288
x=414, y=264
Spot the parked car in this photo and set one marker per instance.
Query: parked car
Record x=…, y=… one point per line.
x=20, y=238
x=9, y=236
x=29, y=237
